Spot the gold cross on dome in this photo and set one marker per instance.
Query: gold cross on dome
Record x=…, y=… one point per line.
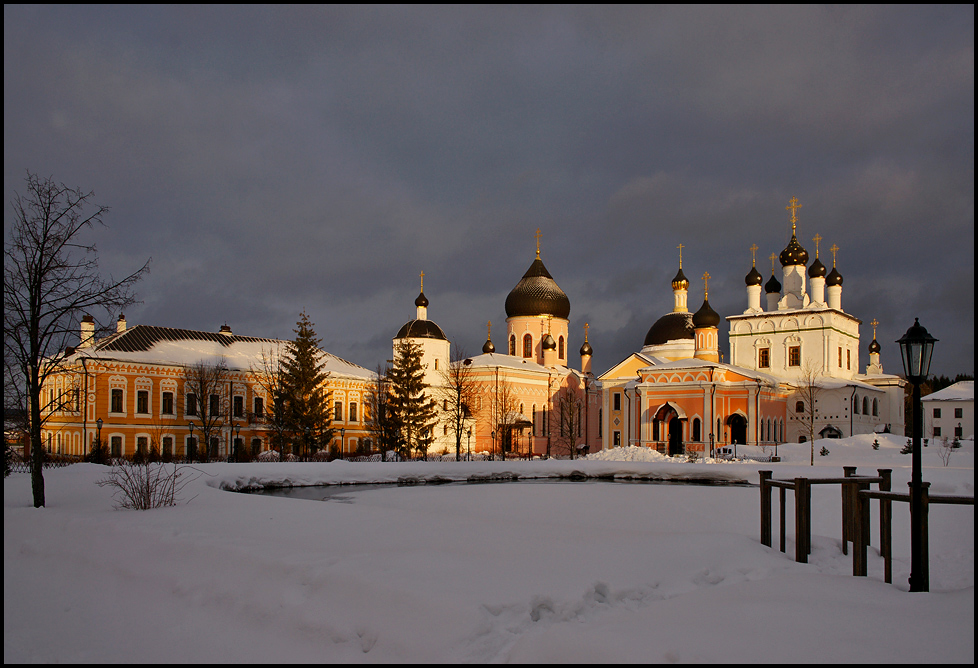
x=680, y=247
x=834, y=249
x=422, y=281
x=489, y=330
x=773, y=258
x=874, y=323
x=538, y=235
x=753, y=257
x=586, y=327
x=706, y=284
x=793, y=206
x=816, y=239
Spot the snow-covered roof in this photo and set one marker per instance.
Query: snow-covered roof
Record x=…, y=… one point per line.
x=148, y=344
x=961, y=391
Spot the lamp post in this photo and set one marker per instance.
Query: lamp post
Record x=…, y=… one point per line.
x=237, y=433
x=916, y=347
x=470, y=444
x=193, y=447
x=342, y=440
x=98, y=441
x=493, y=435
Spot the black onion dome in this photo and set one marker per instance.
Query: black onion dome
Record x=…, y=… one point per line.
x=670, y=327
x=421, y=300
x=817, y=270
x=706, y=316
x=834, y=277
x=875, y=347
x=487, y=347
x=586, y=349
x=754, y=277
x=794, y=254
x=549, y=343
x=680, y=282
x=537, y=293
x=420, y=329
x=772, y=285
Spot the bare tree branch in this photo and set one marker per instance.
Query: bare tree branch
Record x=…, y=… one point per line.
x=50, y=279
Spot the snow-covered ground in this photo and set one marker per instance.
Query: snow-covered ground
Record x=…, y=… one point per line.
x=572, y=572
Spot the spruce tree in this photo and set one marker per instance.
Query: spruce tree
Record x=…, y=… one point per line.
x=410, y=407
x=304, y=389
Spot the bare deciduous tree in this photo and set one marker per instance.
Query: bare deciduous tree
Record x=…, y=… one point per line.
x=50, y=279
x=458, y=393
x=566, y=421
x=269, y=376
x=379, y=417
x=502, y=414
x=202, y=383
x=807, y=391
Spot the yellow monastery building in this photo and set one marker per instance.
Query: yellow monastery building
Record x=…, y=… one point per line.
x=137, y=382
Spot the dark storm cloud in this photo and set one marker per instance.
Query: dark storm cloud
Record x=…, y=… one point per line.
x=278, y=159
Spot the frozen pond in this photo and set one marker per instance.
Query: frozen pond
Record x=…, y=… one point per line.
x=344, y=493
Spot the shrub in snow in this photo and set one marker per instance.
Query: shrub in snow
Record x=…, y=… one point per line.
x=907, y=449
x=268, y=456
x=876, y=444
x=144, y=485
x=824, y=451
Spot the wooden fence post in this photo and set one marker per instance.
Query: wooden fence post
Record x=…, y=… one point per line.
x=886, y=535
x=925, y=548
x=765, y=507
x=847, y=519
x=803, y=518
x=781, y=494
x=860, y=525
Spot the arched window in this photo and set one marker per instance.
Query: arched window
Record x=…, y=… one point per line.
x=800, y=407
x=855, y=404
x=696, y=430
x=527, y=346
x=876, y=407
x=865, y=405
x=534, y=419
x=560, y=348
x=512, y=344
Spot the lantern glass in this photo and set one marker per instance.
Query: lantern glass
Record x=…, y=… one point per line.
x=916, y=348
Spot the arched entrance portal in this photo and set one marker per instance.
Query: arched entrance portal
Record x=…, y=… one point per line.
x=672, y=421
x=676, y=436
x=738, y=428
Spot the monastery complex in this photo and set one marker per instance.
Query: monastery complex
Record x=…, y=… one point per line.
x=677, y=393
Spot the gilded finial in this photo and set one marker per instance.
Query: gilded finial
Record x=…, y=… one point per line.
x=586, y=327
x=680, y=247
x=489, y=330
x=753, y=256
x=874, y=323
x=793, y=206
x=538, y=235
x=422, y=281
x=816, y=239
x=773, y=258
x=834, y=249
x=706, y=284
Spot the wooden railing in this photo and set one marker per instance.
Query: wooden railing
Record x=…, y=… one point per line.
x=856, y=496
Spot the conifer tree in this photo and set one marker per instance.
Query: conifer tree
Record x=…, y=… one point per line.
x=304, y=389
x=413, y=411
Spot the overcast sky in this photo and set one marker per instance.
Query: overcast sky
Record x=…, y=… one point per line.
x=275, y=159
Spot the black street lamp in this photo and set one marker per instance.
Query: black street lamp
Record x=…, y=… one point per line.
x=237, y=433
x=342, y=440
x=916, y=348
x=470, y=444
x=193, y=447
x=98, y=442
